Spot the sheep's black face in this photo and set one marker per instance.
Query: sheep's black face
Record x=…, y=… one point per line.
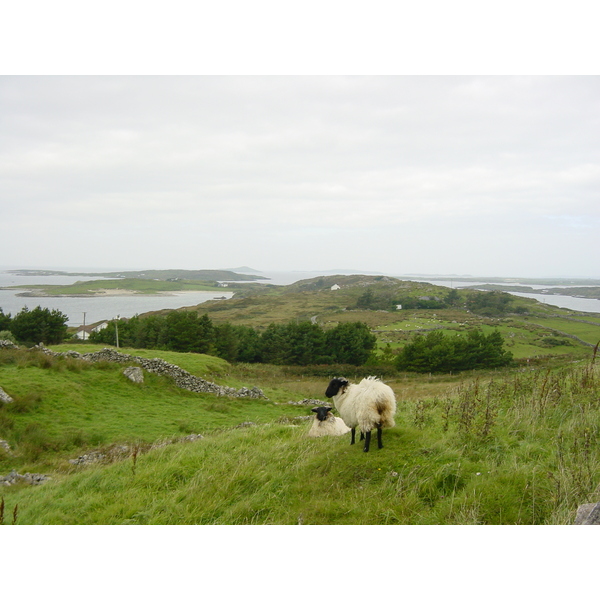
x=335, y=385
x=322, y=412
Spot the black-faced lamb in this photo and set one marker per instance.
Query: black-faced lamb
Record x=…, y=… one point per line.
x=370, y=404
x=325, y=423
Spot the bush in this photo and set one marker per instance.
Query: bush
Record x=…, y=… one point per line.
x=438, y=353
x=39, y=325
x=553, y=341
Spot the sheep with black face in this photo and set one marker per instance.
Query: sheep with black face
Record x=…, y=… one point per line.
x=325, y=423
x=368, y=405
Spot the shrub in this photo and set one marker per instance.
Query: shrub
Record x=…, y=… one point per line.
x=39, y=325
x=439, y=353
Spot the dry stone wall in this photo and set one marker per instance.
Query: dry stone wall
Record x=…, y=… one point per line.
x=180, y=376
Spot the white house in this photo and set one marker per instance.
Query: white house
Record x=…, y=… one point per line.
x=83, y=333
x=335, y=286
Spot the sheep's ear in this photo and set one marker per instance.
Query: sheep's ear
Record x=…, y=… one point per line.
x=327, y=408
x=315, y=409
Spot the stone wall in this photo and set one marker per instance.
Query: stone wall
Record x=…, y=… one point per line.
x=181, y=377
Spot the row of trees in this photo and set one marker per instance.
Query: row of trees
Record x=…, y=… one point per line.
x=490, y=304
x=440, y=353
x=389, y=300
x=301, y=343
x=35, y=326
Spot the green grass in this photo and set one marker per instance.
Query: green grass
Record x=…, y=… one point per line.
x=62, y=405
x=581, y=329
x=516, y=447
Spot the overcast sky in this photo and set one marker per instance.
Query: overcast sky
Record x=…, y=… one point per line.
x=491, y=175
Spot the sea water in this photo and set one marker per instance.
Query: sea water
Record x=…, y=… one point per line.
x=98, y=308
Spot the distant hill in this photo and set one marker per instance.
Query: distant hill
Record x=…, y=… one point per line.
x=160, y=275
x=245, y=271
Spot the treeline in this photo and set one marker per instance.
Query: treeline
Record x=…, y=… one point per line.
x=440, y=353
x=488, y=304
x=390, y=300
x=35, y=326
x=301, y=343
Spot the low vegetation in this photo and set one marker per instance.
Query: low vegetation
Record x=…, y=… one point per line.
x=509, y=443
x=518, y=447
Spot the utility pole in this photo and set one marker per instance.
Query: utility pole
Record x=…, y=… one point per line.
x=117, y=328
x=84, y=327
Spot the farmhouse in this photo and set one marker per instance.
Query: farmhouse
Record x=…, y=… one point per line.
x=83, y=332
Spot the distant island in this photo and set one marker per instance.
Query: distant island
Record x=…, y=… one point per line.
x=549, y=281
x=158, y=275
x=150, y=282
x=592, y=292
x=576, y=288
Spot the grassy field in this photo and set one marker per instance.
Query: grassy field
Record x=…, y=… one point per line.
x=513, y=446
x=507, y=447
x=580, y=327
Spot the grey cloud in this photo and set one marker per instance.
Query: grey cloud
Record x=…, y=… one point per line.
x=298, y=167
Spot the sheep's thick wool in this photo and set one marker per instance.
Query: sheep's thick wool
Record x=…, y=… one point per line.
x=332, y=425
x=370, y=404
x=366, y=404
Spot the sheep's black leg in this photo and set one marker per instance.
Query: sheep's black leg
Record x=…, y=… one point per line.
x=379, y=442
x=362, y=436
x=353, y=431
x=367, y=441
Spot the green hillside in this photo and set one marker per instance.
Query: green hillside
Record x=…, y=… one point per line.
x=531, y=330
x=514, y=447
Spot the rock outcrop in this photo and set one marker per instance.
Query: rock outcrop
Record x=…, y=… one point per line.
x=121, y=451
x=309, y=402
x=134, y=374
x=588, y=514
x=4, y=397
x=8, y=344
x=30, y=478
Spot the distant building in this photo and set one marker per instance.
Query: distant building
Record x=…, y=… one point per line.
x=83, y=333
x=335, y=286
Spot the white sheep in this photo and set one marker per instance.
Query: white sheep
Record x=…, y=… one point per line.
x=368, y=405
x=325, y=423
